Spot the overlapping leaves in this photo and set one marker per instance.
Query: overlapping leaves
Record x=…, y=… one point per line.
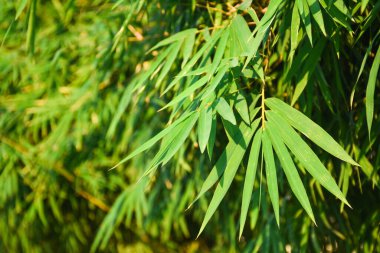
x=204, y=88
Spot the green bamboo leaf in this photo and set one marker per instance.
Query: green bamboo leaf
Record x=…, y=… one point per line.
x=233, y=147
x=214, y=82
x=187, y=92
x=169, y=62
x=304, y=154
x=253, y=15
x=289, y=168
x=294, y=29
x=241, y=107
x=310, y=63
x=187, y=68
x=204, y=127
x=310, y=129
x=124, y=102
x=241, y=32
x=141, y=79
x=250, y=178
x=174, y=38
x=177, y=141
x=262, y=29
x=245, y=5
x=363, y=5
x=338, y=12
x=303, y=8
x=224, y=110
x=187, y=49
x=171, y=143
x=315, y=10
x=370, y=91
x=20, y=8
x=155, y=139
x=31, y=33
x=220, y=50
x=211, y=139
x=271, y=175
x=231, y=164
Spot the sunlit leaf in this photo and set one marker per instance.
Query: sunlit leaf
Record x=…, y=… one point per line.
x=290, y=170
x=310, y=129
x=250, y=178
x=224, y=110
x=230, y=165
x=271, y=174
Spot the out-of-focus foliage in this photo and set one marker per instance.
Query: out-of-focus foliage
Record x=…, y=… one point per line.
x=86, y=85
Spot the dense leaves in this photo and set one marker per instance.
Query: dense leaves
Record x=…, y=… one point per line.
x=281, y=94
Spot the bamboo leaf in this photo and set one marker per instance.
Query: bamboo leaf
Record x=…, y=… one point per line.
x=234, y=147
x=171, y=143
x=310, y=63
x=224, y=110
x=271, y=175
x=155, y=139
x=245, y=5
x=31, y=33
x=294, y=28
x=180, y=36
x=310, y=129
x=289, y=168
x=20, y=8
x=187, y=68
x=315, y=10
x=169, y=62
x=187, y=92
x=220, y=50
x=187, y=49
x=204, y=127
x=230, y=167
x=304, y=154
x=242, y=107
x=250, y=178
x=303, y=7
x=370, y=91
x=211, y=139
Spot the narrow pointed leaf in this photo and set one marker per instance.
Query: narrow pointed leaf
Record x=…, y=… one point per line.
x=310, y=129
x=168, y=63
x=304, y=154
x=187, y=92
x=211, y=139
x=271, y=175
x=315, y=10
x=172, y=142
x=294, y=29
x=188, y=45
x=303, y=8
x=242, y=107
x=370, y=91
x=290, y=170
x=154, y=139
x=204, y=127
x=224, y=109
x=225, y=159
x=187, y=68
x=231, y=166
x=250, y=178
x=174, y=38
x=221, y=48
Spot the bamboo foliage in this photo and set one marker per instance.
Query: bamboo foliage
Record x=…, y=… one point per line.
x=278, y=96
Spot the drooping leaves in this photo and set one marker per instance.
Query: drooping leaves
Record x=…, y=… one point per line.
x=310, y=129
